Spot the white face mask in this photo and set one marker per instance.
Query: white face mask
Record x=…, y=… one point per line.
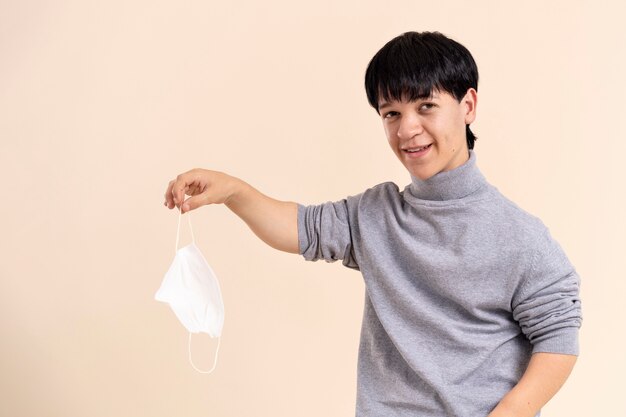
x=191, y=289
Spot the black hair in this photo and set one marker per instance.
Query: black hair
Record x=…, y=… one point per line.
x=412, y=65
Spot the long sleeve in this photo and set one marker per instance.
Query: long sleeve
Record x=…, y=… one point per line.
x=324, y=232
x=547, y=305
x=461, y=287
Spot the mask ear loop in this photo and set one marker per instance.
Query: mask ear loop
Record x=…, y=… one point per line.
x=180, y=213
x=219, y=339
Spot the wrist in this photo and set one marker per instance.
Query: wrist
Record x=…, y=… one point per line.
x=237, y=188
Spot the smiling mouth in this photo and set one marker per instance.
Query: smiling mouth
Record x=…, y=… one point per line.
x=417, y=150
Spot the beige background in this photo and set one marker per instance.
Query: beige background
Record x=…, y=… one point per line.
x=102, y=103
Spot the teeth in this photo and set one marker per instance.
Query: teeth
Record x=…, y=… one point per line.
x=417, y=149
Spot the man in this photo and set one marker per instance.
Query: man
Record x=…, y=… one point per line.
x=471, y=307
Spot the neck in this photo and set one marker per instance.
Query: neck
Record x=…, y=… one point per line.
x=449, y=185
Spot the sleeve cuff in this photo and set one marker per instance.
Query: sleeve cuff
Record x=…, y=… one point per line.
x=564, y=341
x=303, y=241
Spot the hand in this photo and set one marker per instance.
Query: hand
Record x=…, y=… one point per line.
x=204, y=187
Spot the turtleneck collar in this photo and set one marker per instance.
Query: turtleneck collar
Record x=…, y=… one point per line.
x=449, y=185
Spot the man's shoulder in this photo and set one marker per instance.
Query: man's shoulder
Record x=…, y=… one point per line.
x=383, y=192
x=376, y=199
x=519, y=219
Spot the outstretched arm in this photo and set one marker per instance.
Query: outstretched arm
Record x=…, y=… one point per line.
x=273, y=221
x=545, y=375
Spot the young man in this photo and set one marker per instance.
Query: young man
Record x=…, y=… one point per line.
x=471, y=307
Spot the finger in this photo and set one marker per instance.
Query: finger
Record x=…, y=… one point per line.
x=194, y=202
x=193, y=189
x=169, y=201
x=179, y=188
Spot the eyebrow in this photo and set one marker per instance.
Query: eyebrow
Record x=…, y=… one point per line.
x=385, y=104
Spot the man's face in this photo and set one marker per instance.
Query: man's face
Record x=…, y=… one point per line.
x=438, y=122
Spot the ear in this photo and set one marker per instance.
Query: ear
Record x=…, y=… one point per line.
x=469, y=105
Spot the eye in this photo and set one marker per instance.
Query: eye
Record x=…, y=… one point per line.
x=427, y=106
x=390, y=114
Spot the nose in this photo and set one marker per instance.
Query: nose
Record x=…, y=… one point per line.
x=410, y=126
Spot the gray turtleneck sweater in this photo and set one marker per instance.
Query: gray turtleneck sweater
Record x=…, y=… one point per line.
x=462, y=286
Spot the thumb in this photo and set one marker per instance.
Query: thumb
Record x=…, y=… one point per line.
x=193, y=203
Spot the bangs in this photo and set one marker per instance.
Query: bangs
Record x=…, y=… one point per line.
x=405, y=86
x=415, y=65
